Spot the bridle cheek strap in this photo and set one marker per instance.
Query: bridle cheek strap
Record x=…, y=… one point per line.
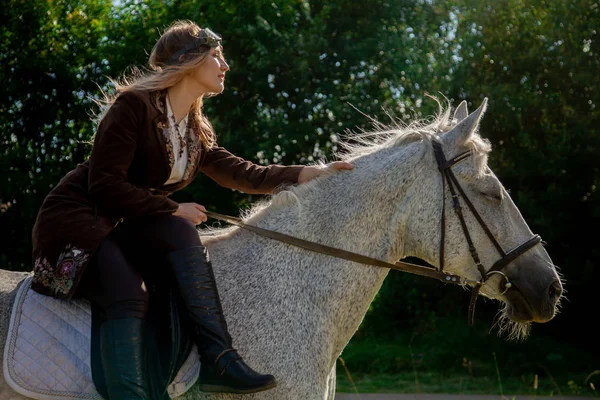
x=473, y=302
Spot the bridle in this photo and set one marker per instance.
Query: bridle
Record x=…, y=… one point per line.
x=448, y=178
x=456, y=191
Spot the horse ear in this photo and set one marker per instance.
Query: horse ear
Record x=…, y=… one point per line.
x=461, y=111
x=465, y=128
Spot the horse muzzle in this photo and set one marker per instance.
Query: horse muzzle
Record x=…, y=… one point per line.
x=533, y=301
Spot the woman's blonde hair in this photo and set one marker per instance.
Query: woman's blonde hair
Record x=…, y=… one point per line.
x=164, y=72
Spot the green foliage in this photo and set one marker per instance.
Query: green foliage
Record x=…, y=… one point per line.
x=537, y=64
x=49, y=61
x=298, y=71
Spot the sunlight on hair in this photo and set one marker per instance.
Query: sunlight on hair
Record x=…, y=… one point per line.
x=358, y=144
x=397, y=133
x=160, y=75
x=514, y=331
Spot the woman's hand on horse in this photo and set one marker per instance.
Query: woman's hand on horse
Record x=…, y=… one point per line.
x=192, y=212
x=310, y=172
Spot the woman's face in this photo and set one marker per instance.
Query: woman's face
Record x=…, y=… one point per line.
x=210, y=76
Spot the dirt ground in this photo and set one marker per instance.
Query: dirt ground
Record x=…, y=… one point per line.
x=351, y=396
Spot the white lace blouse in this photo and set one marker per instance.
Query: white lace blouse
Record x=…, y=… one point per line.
x=180, y=162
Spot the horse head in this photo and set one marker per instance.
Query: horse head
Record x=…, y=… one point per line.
x=481, y=235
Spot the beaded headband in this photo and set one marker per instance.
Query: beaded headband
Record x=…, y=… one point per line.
x=205, y=37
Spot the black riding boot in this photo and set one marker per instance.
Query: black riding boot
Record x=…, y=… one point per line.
x=122, y=344
x=222, y=369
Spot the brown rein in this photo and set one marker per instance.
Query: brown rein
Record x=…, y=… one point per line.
x=343, y=254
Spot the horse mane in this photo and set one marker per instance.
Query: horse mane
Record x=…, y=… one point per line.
x=363, y=143
x=397, y=133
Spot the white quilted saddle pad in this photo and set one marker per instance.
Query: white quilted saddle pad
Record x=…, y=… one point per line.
x=47, y=352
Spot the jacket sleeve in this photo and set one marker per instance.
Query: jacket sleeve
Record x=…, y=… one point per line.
x=234, y=172
x=112, y=153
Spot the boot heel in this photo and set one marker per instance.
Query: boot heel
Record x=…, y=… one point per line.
x=230, y=374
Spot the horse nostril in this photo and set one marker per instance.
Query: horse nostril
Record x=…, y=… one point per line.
x=555, y=291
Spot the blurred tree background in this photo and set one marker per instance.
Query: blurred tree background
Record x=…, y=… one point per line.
x=298, y=69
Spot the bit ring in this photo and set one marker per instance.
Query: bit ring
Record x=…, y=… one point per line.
x=507, y=285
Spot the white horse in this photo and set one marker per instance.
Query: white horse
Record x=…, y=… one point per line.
x=291, y=311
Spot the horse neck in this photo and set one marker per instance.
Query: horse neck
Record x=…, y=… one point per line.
x=358, y=210
x=351, y=211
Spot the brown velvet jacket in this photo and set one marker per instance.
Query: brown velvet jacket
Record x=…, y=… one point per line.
x=124, y=177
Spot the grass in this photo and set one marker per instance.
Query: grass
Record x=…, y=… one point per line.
x=438, y=382
x=462, y=360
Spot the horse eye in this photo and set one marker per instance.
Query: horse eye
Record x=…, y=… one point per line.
x=492, y=196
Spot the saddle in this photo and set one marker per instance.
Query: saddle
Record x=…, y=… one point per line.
x=52, y=350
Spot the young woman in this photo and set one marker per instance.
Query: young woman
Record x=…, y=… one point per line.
x=151, y=141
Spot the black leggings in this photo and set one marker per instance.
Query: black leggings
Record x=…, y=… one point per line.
x=135, y=249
